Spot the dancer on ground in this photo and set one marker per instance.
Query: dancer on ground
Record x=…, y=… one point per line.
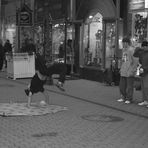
x=44, y=71
x=127, y=72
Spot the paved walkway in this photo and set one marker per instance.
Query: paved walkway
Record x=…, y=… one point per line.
x=94, y=118
x=96, y=93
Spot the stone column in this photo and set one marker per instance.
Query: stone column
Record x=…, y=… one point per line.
x=0, y=20
x=72, y=18
x=117, y=30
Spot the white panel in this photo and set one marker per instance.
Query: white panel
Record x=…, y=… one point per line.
x=20, y=65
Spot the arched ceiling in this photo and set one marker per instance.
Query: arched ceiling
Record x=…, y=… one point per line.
x=105, y=7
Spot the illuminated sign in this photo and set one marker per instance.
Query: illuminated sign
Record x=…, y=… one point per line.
x=146, y=3
x=24, y=17
x=138, y=4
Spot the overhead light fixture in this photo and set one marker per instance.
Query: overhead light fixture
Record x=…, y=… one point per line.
x=10, y=29
x=90, y=17
x=56, y=25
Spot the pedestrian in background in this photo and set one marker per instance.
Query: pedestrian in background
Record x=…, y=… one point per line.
x=30, y=47
x=142, y=54
x=8, y=46
x=68, y=50
x=7, y=49
x=127, y=72
x=2, y=54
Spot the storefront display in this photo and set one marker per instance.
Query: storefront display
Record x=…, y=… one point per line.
x=58, y=39
x=139, y=26
x=139, y=19
x=109, y=43
x=99, y=42
x=92, y=41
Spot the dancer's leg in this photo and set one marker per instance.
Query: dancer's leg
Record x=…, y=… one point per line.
x=58, y=68
x=62, y=72
x=46, y=96
x=29, y=99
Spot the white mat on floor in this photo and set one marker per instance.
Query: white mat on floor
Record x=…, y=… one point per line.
x=20, y=109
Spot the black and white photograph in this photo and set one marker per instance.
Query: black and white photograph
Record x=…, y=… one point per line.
x=73, y=73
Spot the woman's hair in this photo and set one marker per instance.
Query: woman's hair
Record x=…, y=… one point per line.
x=144, y=43
x=126, y=39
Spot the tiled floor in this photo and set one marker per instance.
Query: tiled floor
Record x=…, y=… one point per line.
x=99, y=122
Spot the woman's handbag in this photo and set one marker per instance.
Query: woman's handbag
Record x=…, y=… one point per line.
x=137, y=83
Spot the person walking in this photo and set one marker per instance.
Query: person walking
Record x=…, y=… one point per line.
x=142, y=54
x=8, y=46
x=2, y=54
x=7, y=49
x=127, y=72
x=31, y=46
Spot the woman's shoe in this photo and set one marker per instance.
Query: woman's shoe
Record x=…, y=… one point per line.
x=143, y=103
x=120, y=100
x=127, y=102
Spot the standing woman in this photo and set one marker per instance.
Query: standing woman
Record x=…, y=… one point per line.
x=1, y=55
x=142, y=54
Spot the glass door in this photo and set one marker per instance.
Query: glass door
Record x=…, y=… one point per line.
x=109, y=42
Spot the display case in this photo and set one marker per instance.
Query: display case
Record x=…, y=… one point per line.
x=20, y=65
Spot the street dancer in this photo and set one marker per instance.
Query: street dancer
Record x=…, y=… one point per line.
x=42, y=73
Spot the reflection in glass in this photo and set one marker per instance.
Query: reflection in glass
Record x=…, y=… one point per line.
x=110, y=43
x=92, y=41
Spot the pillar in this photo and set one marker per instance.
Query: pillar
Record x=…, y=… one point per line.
x=117, y=30
x=72, y=19
x=0, y=20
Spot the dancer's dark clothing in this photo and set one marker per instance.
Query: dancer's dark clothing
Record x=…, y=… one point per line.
x=57, y=68
x=40, y=64
x=54, y=68
x=37, y=84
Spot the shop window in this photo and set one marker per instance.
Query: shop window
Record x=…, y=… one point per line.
x=92, y=41
x=58, y=39
x=109, y=43
x=139, y=26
